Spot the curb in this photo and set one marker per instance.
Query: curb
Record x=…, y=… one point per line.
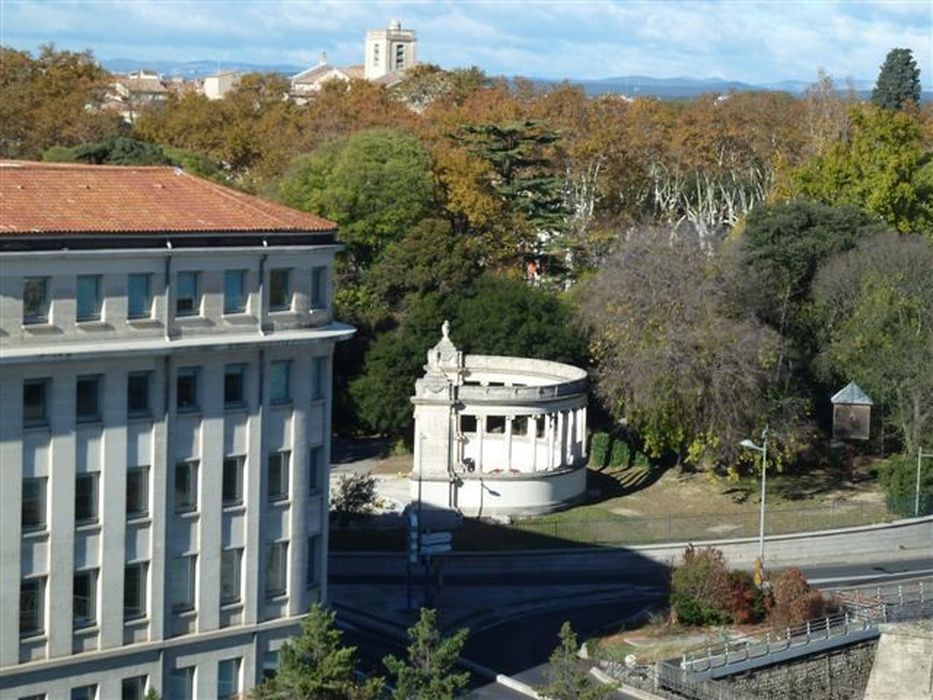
x=501, y=679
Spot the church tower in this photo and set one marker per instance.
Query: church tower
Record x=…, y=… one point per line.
x=389, y=50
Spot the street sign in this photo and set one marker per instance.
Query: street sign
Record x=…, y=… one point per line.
x=435, y=549
x=436, y=538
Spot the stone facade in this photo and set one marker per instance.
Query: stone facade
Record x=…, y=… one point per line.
x=498, y=435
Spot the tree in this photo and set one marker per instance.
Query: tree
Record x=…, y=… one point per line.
x=882, y=167
x=355, y=495
x=566, y=680
x=116, y=150
x=794, y=601
x=674, y=358
x=428, y=673
x=375, y=184
x=898, y=81
x=315, y=666
x=701, y=588
x=875, y=304
x=52, y=99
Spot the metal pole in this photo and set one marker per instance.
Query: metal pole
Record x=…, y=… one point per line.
x=761, y=519
x=920, y=455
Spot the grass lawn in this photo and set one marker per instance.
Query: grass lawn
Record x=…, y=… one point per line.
x=644, y=506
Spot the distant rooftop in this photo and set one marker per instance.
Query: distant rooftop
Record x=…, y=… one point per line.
x=77, y=198
x=852, y=394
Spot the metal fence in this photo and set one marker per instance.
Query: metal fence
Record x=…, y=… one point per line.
x=862, y=611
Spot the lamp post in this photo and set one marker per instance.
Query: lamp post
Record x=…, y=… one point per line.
x=763, y=450
x=920, y=455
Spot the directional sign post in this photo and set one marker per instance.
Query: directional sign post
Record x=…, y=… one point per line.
x=428, y=550
x=429, y=538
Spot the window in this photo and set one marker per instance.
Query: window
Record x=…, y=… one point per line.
x=33, y=514
x=376, y=55
x=520, y=425
x=134, y=591
x=181, y=683
x=37, y=696
x=495, y=424
x=84, y=692
x=279, y=382
x=186, y=389
x=137, y=394
x=138, y=296
x=137, y=492
x=540, y=426
x=399, y=56
x=133, y=688
x=34, y=402
x=234, y=291
x=278, y=475
x=311, y=567
x=270, y=664
x=276, y=566
x=317, y=377
x=315, y=458
x=467, y=424
x=234, y=385
x=228, y=679
x=230, y=560
x=186, y=486
x=87, y=403
x=184, y=571
x=86, y=498
x=280, y=297
x=318, y=290
x=187, y=300
x=84, y=595
x=233, y=481
x=88, y=294
x=32, y=607
x=35, y=300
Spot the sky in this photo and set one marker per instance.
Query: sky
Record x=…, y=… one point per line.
x=755, y=42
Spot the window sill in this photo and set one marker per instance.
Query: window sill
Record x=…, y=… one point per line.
x=41, y=328
x=234, y=508
x=139, y=520
x=277, y=597
x=139, y=418
x=282, y=403
x=239, y=318
x=282, y=502
x=144, y=322
x=193, y=411
x=140, y=620
x=185, y=613
x=36, y=533
x=89, y=422
x=35, y=427
x=236, y=408
x=231, y=606
x=86, y=630
x=93, y=325
x=36, y=637
x=87, y=526
x=193, y=321
x=188, y=513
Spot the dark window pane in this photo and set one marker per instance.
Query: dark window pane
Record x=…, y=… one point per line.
x=233, y=385
x=35, y=300
x=279, y=382
x=278, y=475
x=34, y=412
x=279, y=292
x=88, y=297
x=85, y=692
x=33, y=515
x=134, y=591
x=318, y=296
x=31, y=606
x=86, y=498
x=187, y=390
x=187, y=302
x=230, y=576
x=232, y=481
x=138, y=303
x=88, y=399
x=137, y=394
x=137, y=491
x=234, y=291
x=84, y=595
x=133, y=688
x=186, y=486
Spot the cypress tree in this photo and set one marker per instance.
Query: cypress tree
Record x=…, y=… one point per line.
x=898, y=81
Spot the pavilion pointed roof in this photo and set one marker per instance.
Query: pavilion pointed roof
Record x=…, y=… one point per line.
x=852, y=394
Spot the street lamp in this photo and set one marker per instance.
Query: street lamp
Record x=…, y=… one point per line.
x=920, y=455
x=748, y=444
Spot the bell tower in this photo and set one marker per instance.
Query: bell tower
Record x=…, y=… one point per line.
x=390, y=50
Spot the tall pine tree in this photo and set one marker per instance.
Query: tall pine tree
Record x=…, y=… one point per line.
x=898, y=82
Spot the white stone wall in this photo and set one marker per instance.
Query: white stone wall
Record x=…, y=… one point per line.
x=61, y=351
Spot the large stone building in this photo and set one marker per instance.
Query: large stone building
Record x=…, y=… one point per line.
x=498, y=435
x=165, y=393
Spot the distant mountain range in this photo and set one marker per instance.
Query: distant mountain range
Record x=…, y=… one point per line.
x=629, y=85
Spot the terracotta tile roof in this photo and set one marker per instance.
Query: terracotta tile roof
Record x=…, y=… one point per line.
x=69, y=198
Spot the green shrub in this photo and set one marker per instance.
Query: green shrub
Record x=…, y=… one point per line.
x=899, y=480
x=619, y=456
x=599, y=450
x=701, y=588
x=642, y=461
